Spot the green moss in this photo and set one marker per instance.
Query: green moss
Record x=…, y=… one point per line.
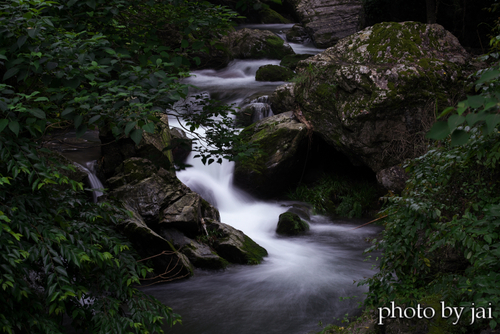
x=270, y=16
x=255, y=253
x=273, y=73
x=291, y=224
x=275, y=41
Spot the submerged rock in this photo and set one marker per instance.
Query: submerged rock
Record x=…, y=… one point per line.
x=297, y=34
x=290, y=224
x=278, y=163
x=256, y=44
x=372, y=95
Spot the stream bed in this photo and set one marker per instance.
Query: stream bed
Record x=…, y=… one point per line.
x=301, y=281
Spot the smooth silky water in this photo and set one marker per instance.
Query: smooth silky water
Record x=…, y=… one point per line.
x=302, y=280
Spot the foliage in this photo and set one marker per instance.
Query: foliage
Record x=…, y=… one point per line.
x=82, y=65
x=341, y=195
x=449, y=210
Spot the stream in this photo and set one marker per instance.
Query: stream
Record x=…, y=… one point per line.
x=302, y=280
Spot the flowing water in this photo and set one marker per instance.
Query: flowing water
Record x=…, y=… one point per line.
x=299, y=284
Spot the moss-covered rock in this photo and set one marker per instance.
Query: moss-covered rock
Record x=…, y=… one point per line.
x=278, y=163
x=374, y=94
x=233, y=245
x=256, y=44
x=291, y=61
x=290, y=224
x=267, y=15
x=273, y=73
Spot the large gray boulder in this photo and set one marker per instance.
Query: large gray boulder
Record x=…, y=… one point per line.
x=278, y=165
x=372, y=96
x=327, y=21
x=256, y=44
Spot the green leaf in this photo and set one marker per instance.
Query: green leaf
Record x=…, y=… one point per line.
x=21, y=40
x=94, y=118
x=454, y=121
x=198, y=45
x=184, y=43
x=78, y=121
x=492, y=121
x=3, y=106
x=438, y=131
x=72, y=83
x=475, y=101
x=489, y=75
x=14, y=127
x=91, y=3
x=3, y=124
x=10, y=73
x=33, y=32
x=149, y=127
x=129, y=127
x=81, y=130
x=37, y=113
x=459, y=137
x=136, y=136
x=67, y=111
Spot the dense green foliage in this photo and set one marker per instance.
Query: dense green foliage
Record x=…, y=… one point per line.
x=81, y=65
x=442, y=234
x=342, y=195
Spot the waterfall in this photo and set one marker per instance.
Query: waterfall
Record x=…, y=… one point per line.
x=95, y=184
x=301, y=280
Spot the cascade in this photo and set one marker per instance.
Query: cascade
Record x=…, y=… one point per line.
x=299, y=284
x=95, y=184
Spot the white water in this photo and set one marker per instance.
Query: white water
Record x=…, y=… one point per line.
x=302, y=279
x=96, y=185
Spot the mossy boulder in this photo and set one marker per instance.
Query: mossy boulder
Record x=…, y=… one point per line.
x=290, y=224
x=181, y=145
x=297, y=34
x=256, y=44
x=278, y=164
x=233, y=245
x=252, y=113
x=268, y=15
x=273, y=73
x=327, y=21
x=291, y=61
x=374, y=94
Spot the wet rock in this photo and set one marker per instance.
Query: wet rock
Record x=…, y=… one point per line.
x=181, y=145
x=253, y=113
x=327, y=21
x=256, y=44
x=267, y=15
x=273, y=73
x=233, y=245
x=148, y=243
x=278, y=165
x=202, y=256
x=290, y=224
x=297, y=34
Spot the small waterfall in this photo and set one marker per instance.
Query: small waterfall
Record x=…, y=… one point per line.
x=95, y=183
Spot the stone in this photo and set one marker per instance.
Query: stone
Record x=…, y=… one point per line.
x=202, y=256
x=290, y=224
x=393, y=179
x=256, y=44
x=372, y=96
x=181, y=145
x=233, y=245
x=297, y=34
x=328, y=21
x=283, y=98
x=278, y=164
x=273, y=73
x=267, y=15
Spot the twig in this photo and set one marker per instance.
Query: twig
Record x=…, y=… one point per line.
x=369, y=222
